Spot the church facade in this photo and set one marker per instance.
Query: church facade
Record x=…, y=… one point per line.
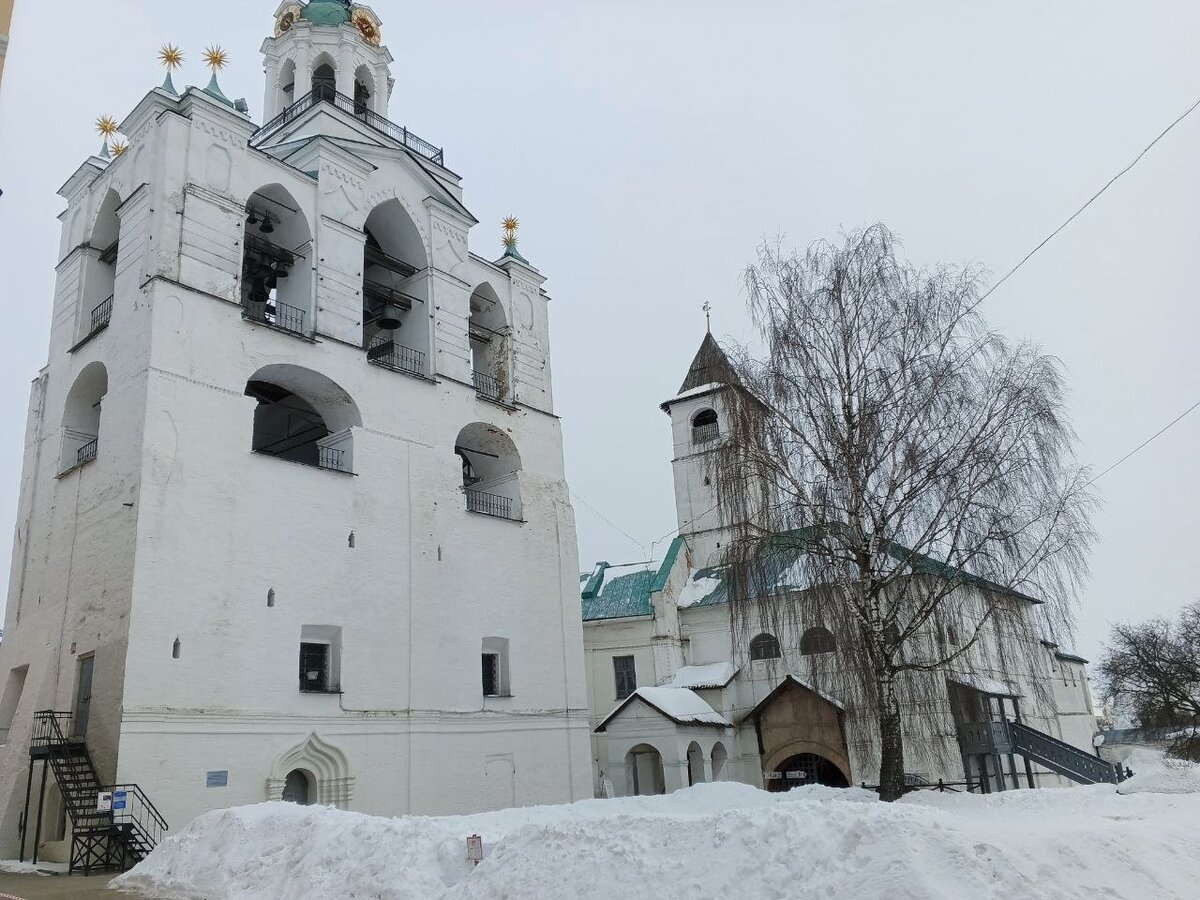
x=678, y=696
x=293, y=520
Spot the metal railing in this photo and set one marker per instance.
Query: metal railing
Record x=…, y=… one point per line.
x=487, y=386
x=277, y=315
x=331, y=458
x=140, y=819
x=1061, y=757
x=381, y=293
x=387, y=354
x=489, y=504
x=49, y=728
x=325, y=94
x=87, y=452
x=984, y=738
x=706, y=434
x=101, y=316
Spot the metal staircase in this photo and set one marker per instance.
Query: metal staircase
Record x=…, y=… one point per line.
x=114, y=839
x=1058, y=756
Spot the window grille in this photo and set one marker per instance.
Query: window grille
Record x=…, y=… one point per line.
x=314, y=668
x=491, y=674
x=626, y=676
x=765, y=646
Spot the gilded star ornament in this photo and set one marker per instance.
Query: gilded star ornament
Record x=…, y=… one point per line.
x=119, y=148
x=216, y=58
x=107, y=126
x=511, y=224
x=170, y=56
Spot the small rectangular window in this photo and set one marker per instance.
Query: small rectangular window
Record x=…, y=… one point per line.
x=626, y=676
x=314, y=668
x=495, y=667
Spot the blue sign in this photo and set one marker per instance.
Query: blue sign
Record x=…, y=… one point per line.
x=120, y=800
x=217, y=779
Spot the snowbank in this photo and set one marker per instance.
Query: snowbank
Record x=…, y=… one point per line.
x=1155, y=773
x=711, y=841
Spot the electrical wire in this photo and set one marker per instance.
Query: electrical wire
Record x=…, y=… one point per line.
x=1150, y=440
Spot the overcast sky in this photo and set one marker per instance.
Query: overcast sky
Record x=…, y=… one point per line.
x=649, y=146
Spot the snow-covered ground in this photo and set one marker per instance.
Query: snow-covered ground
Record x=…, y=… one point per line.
x=712, y=841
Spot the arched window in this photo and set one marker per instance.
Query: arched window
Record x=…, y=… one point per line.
x=765, y=646
x=720, y=758
x=324, y=79
x=276, y=281
x=81, y=417
x=297, y=788
x=695, y=760
x=488, y=335
x=395, y=289
x=362, y=91
x=99, y=274
x=491, y=469
x=817, y=640
x=304, y=417
x=705, y=427
x=287, y=86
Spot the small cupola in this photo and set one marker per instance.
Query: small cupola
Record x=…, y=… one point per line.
x=326, y=12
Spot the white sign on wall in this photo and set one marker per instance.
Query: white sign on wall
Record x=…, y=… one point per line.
x=475, y=849
x=104, y=801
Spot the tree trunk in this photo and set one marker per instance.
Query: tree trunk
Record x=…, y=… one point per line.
x=891, y=742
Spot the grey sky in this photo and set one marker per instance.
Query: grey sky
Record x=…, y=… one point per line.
x=649, y=146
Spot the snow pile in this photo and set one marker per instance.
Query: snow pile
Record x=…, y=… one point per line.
x=722, y=840
x=1155, y=773
x=14, y=867
x=697, y=589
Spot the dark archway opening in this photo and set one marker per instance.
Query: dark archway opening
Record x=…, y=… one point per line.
x=297, y=788
x=806, y=768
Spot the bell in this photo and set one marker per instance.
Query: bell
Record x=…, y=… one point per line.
x=281, y=270
x=267, y=227
x=251, y=219
x=389, y=319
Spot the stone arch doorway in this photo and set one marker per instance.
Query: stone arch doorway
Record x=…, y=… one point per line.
x=806, y=768
x=297, y=788
x=644, y=772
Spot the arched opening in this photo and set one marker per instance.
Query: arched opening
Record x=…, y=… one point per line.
x=324, y=78
x=395, y=289
x=695, y=760
x=764, y=646
x=807, y=768
x=100, y=270
x=304, y=417
x=491, y=469
x=644, y=772
x=276, y=282
x=287, y=86
x=362, y=91
x=706, y=428
x=81, y=417
x=488, y=334
x=298, y=788
x=817, y=640
x=720, y=759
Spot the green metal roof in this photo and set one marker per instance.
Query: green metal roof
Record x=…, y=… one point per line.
x=326, y=12
x=621, y=592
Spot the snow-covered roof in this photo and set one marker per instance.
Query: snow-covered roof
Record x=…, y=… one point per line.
x=693, y=392
x=681, y=706
x=986, y=685
x=713, y=675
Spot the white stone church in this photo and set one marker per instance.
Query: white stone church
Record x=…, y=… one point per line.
x=293, y=519
x=675, y=699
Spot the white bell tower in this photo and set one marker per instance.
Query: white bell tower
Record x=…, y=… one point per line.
x=331, y=46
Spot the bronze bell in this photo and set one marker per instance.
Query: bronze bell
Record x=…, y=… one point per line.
x=389, y=319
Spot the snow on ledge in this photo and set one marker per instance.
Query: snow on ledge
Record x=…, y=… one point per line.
x=713, y=675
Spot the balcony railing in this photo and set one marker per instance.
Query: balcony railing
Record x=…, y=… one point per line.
x=331, y=458
x=87, y=452
x=490, y=505
x=387, y=354
x=706, y=434
x=324, y=94
x=101, y=316
x=487, y=386
x=276, y=314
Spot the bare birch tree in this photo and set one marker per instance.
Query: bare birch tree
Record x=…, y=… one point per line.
x=918, y=457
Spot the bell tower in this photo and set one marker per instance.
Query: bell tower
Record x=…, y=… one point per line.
x=697, y=426
x=331, y=47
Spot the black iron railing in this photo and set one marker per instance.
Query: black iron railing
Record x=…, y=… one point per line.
x=268, y=252
x=487, y=386
x=490, y=504
x=276, y=314
x=1061, y=757
x=706, y=434
x=387, y=354
x=87, y=452
x=49, y=728
x=984, y=738
x=331, y=458
x=101, y=316
x=139, y=819
x=325, y=94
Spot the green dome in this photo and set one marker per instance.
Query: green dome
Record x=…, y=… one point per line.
x=327, y=12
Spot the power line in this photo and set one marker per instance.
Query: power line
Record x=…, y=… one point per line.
x=1150, y=440
x=611, y=523
x=1091, y=200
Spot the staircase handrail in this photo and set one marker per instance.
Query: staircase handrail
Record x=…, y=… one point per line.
x=128, y=815
x=46, y=729
x=1100, y=770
